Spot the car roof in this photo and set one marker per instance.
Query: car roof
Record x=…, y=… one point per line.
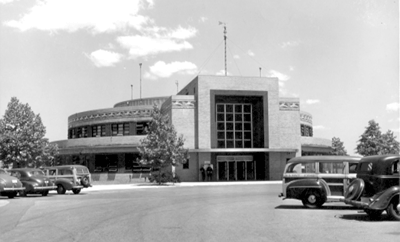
x=328, y=158
x=380, y=158
x=64, y=166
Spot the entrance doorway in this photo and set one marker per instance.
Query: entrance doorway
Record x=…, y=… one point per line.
x=235, y=168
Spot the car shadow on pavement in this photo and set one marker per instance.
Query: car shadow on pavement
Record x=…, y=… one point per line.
x=326, y=207
x=365, y=218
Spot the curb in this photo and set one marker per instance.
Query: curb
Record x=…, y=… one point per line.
x=172, y=185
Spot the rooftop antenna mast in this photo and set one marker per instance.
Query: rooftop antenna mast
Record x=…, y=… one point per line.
x=140, y=70
x=226, y=68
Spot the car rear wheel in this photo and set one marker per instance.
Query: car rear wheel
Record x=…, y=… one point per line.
x=393, y=209
x=85, y=182
x=373, y=214
x=11, y=194
x=312, y=199
x=76, y=191
x=61, y=189
x=44, y=194
x=22, y=193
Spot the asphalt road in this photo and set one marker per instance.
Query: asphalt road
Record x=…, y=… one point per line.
x=204, y=213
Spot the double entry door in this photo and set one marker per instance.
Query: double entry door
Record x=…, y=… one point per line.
x=235, y=168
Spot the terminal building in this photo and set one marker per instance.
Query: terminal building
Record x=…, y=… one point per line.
x=238, y=126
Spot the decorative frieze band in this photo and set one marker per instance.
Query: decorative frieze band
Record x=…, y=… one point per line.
x=108, y=115
x=306, y=118
x=183, y=104
x=289, y=106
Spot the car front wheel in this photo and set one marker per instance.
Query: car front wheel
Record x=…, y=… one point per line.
x=76, y=191
x=393, y=209
x=45, y=193
x=373, y=214
x=312, y=199
x=61, y=189
x=11, y=194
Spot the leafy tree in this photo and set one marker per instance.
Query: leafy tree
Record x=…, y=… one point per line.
x=373, y=142
x=22, y=141
x=162, y=148
x=338, y=147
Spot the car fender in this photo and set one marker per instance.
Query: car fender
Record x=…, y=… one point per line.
x=381, y=201
x=29, y=186
x=296, y=188
x=66, y=183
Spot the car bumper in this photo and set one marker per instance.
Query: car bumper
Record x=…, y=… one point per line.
x=10, y=189
x=354, y=203
x=45, y=188
x=77, y=187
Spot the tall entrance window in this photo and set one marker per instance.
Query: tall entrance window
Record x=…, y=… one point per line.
x=234, y=126
x=235, y=168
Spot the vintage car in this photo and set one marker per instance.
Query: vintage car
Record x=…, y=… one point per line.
x=376, y=188
x=69, y=177
x=316, y=180
x=34, y=181
x=9, y=185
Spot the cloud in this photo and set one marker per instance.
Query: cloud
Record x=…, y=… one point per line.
x=393, y=107
x=97, y=16
x=104, y=58
x=282, y=79
x=312, y=101
x=7, y=1
x=236, y=57
x=291, y=68
x=222, y=73
x=318, y=127
x=289, y=44
x=203, y=19
x=250, y=53
x=164, y=70
x=143, y=45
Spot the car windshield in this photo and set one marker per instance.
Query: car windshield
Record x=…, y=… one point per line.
x=305, y=167
x=81, y=170
x=36, y=173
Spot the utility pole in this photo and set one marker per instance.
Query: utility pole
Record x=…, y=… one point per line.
x=131, y=92
x=140, y=70
x=260, y=71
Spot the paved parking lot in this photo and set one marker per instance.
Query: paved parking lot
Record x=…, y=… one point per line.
x=251, y=212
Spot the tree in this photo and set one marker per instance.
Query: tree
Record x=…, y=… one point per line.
x=22, y=141
x=162, y=148
x=338, y=148
x=373, y=142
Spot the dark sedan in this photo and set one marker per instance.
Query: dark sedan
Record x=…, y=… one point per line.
x=34, y=181
x=9, y=185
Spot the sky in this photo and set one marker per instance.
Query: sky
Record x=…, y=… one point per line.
x=339, y=57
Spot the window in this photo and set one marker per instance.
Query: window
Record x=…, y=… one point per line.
x=141, y=128
x=126, y=128
x=331, y=167
x=234, y=126
x=186, y=165
x=103, y=130
x=301, y=168
x=395, y=169
x=84, y=132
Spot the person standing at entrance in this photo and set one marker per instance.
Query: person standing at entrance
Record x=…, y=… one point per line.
x=209, y=173
x=203, y=173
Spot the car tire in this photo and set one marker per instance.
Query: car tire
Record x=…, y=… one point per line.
x=61, y=189
x=45, y=193
x=392, y=210
x=11, y=194
x=355, y=189
x=76, y=191
x=373, y=214
x=312, y=199
x=85, y=182
x=22, y=193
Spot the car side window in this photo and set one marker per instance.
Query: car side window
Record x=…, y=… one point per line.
x=331, y=167
x=301, y=168
x=352, y=167
x=16, y=174
x=395, y=168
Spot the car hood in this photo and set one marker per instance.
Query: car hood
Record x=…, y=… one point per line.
x=9, y=179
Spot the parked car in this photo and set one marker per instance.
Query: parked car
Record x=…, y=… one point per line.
x=69, y=177
x=376, y=188
x=316, y=180
x=34, y=181
x=9, y=185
